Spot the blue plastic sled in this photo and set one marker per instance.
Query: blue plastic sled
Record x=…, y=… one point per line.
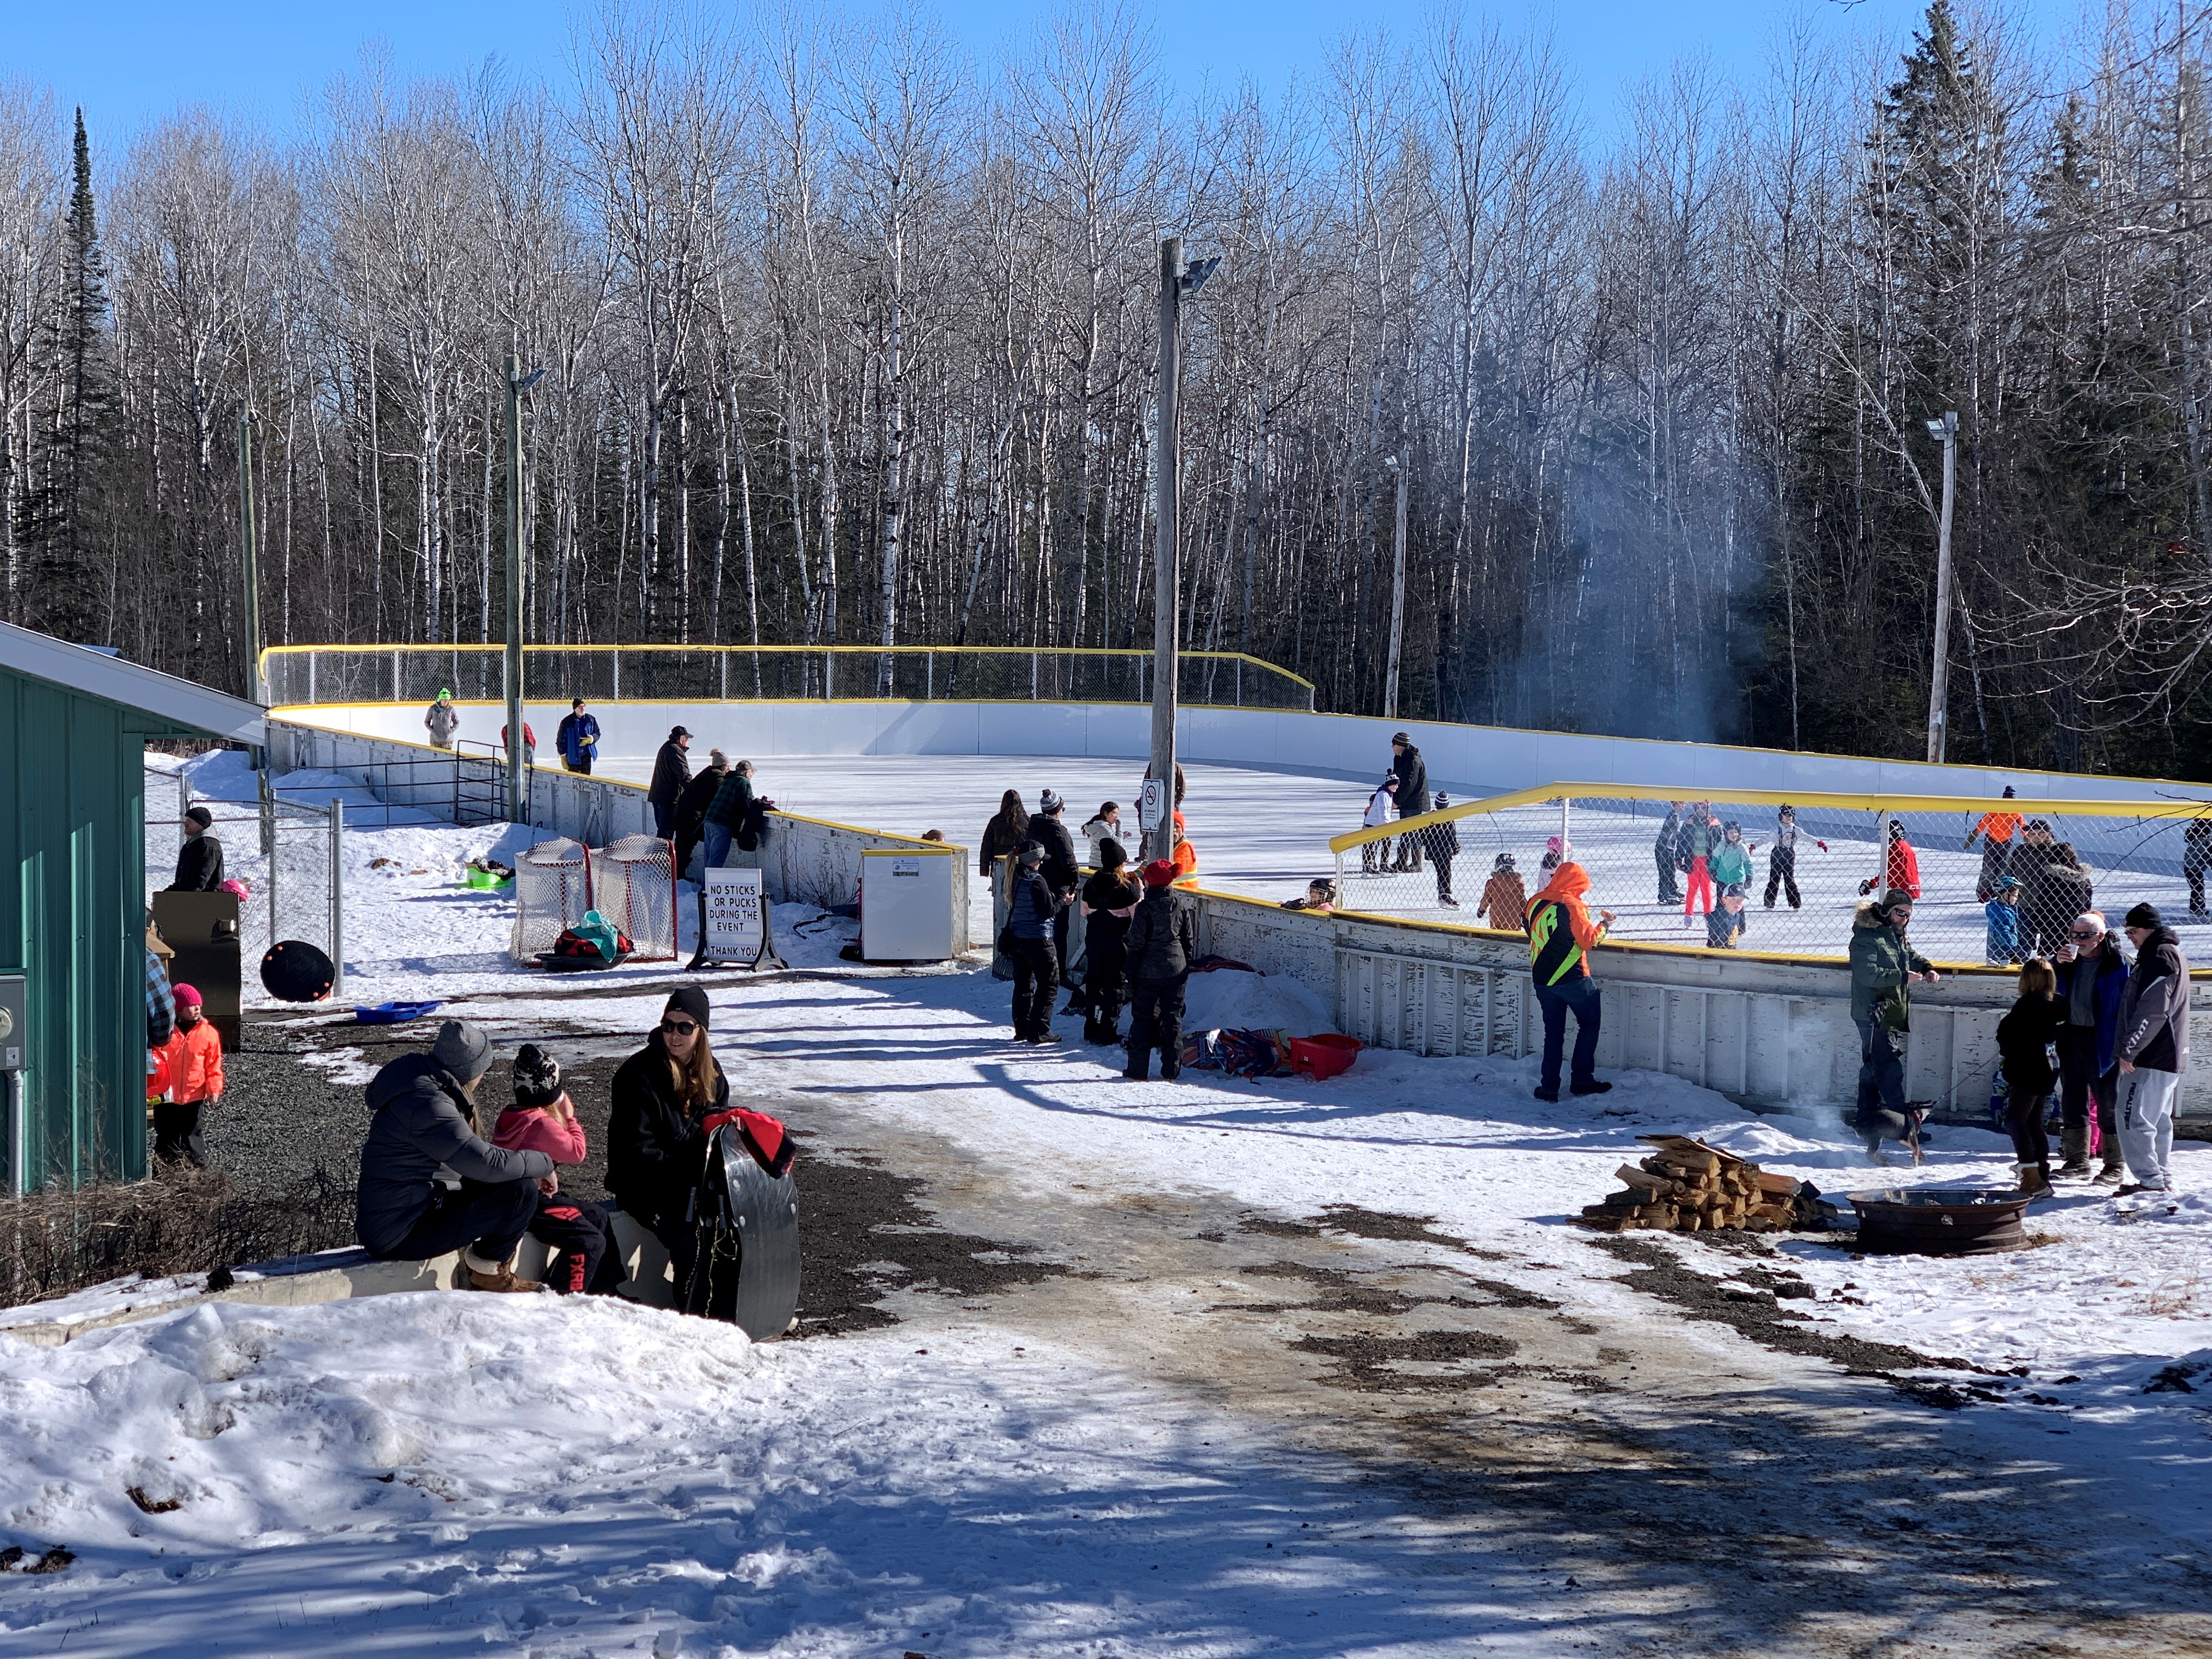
x=395, y=1013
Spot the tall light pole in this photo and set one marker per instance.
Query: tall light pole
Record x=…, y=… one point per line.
x=1944, y=432
x=1394, y=465
x=249, y=545
x=518, y=793
x=1175, y=281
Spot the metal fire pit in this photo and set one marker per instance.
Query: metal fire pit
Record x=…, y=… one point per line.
x=1939, y=1221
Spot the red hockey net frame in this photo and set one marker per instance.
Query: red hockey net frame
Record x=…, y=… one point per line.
x=634, y=886
x=552, y=891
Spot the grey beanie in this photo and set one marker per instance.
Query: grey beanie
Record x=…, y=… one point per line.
x=462, y=1049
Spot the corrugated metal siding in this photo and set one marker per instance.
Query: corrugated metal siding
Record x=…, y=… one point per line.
x=71, y=917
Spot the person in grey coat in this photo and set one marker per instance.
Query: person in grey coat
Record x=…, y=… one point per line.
x=422, y=1137
x=2154, y=1049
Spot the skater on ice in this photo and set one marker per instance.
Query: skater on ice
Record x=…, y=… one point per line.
x=1504, y=900
x=577, y=737
x=443, y=720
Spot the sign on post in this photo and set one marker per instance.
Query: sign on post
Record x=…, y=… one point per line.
x=1151, y=805
x=732, y=920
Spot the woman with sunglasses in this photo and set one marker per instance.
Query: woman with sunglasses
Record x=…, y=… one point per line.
x=656, y=1138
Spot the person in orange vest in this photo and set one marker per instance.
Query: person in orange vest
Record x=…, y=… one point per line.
x=1185, y=857
x=194, y=1052
x=1995, y=831
x=1560, y=936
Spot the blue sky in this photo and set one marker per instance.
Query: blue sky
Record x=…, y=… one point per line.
x=132, y=61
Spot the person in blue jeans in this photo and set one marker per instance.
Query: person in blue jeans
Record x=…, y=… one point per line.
x=1561, y=935
x=725, y=813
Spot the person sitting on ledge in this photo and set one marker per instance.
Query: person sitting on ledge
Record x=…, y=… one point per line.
x=430, y=1182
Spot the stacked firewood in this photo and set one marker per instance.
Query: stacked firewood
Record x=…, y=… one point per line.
x=1687, y=1187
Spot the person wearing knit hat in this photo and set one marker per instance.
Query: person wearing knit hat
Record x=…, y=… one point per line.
x=1161, y=946
x=422, y=1123
x=661, y=1098
x=579, y=1234
x=2153, y=1050
x=194, y=1054
x=443, y=720
x=1036, y=908
x=199, y=861
x=1060, y=871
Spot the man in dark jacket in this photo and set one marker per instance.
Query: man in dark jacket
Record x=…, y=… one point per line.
x=2154, y=1049
x=1161, y=943
x=1441, y=842
x=1034, y=907
x=732, y=805
x=672, y=770
x=1883, y=964
x=1048, y=829
x=423, y=1133
x=2093, y=982
x=578, y=738
x=199, y=861
x=1413, y=796
x=691, y=817
x=2196, y=859
x=1662, y=851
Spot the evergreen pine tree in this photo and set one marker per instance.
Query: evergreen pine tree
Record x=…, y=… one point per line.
x=66, y=530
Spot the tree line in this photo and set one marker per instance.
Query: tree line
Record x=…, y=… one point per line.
x=849, y=339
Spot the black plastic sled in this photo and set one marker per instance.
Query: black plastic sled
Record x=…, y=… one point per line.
x=748, y=1269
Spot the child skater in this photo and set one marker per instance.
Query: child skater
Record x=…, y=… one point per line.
x=543, y=1120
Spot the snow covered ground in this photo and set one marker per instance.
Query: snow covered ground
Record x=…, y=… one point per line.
x=439, y=1474
x=435, y=1474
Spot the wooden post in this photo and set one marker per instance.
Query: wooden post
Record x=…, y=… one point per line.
x=1166, y=548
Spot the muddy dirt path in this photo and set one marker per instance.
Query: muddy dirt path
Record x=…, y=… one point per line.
x=1679, y=1485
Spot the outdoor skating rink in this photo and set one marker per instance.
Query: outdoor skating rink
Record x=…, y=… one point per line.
x=1266, y=833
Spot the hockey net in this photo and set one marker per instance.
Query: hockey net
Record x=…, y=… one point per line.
x=552, y=891
x=633, y=887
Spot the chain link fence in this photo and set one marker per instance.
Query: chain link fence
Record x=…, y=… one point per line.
x=287, y=855
x=301, y=674
x=1785, y=876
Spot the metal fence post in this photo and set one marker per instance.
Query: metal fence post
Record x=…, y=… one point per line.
x=616, y=655
x=337, y=897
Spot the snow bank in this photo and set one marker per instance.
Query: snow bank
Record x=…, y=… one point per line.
x=448, y=1474
x=1231, y=999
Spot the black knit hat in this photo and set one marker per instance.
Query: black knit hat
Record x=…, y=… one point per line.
x=1112, y=855
x=2144, y=916
x=198, y=815
x=537, y=1077
x=689, y=999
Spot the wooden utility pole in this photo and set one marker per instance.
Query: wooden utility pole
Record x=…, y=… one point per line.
x=1397, y=466
x=1166, y=552
x=518, y=790
x=1946, y=432
x=250, y=555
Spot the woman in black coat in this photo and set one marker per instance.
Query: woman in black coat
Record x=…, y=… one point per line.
x=1110, y=899
x=656, y=1134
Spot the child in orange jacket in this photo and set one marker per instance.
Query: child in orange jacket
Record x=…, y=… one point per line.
x=194, y=1052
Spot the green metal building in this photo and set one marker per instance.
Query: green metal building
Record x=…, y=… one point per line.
x=74, y=724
